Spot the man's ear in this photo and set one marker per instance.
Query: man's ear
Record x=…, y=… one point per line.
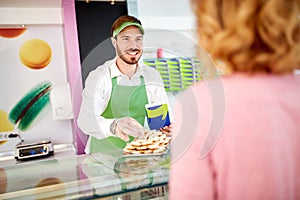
x=114, y=42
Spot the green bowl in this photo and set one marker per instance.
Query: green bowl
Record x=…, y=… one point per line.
x=187, y=70
x=171, y=62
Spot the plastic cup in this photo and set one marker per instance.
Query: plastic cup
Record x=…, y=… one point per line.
x=157, y=116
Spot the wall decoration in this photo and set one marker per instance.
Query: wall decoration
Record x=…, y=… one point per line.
x=35, y=53
x=33, y=62
x=11, y=32
x=30, y=106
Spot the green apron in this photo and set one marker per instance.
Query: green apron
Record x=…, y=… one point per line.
x=125, y=101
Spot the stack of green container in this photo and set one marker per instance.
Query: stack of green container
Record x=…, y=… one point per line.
x=177, y=73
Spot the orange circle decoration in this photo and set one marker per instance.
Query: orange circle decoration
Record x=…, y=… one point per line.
x=35, y=54
x=3, y=181
x=3, y=142
x=11, y=32
x=49, y=181
x=57, y=190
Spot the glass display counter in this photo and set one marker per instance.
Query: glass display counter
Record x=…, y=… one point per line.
x=109, y=175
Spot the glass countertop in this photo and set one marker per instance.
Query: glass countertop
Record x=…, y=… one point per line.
x=83, y=176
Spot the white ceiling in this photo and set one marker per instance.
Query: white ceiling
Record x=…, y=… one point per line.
x=29, y=12
x=165, y=14
x=157, y=8
x=40, y=3
x=168, y=14
x=30, y=3
x=104, y=0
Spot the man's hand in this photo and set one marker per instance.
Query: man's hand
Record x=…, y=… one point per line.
x=127, y=126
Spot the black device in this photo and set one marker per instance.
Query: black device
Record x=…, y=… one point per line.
x=33, y=149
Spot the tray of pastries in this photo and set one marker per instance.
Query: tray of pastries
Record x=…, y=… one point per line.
x=153, y=143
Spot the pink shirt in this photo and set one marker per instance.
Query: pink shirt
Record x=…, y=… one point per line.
x=257, y=155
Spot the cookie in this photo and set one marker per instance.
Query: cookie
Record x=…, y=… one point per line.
x=136, y=143
x=142, y=148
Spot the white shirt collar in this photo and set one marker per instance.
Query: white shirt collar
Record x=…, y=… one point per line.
x=115, y=72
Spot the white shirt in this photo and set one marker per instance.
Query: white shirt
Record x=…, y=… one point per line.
x=97, y=92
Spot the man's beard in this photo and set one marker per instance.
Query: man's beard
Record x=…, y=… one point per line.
x=130, y=60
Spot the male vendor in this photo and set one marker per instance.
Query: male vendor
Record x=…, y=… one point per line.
x=113, y=100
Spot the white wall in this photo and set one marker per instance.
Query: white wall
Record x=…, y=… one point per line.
x=169, y=24
x=166, y=14
x=16, y=12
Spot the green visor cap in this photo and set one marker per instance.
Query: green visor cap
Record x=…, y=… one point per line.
x=126, y=24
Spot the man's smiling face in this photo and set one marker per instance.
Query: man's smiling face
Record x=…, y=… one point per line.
x=129, y=45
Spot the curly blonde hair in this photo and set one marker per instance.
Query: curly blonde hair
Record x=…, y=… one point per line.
x=251, y=35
